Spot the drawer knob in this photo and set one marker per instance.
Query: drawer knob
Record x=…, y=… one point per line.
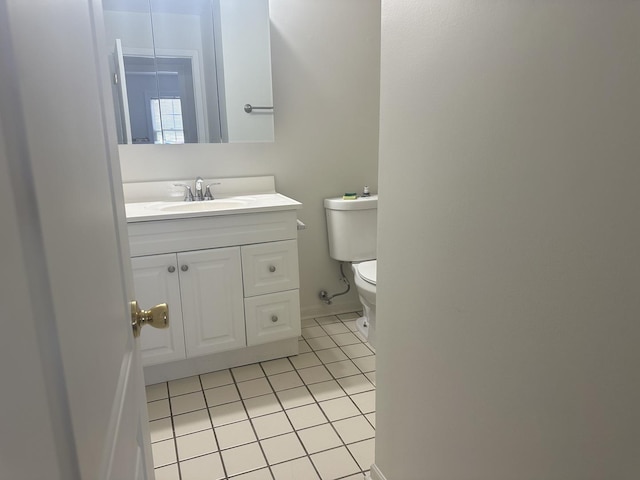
x=272, y=268
x=184, y=268
x=171, y=269
x=274, y=318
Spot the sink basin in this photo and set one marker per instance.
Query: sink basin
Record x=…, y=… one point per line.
x=205, y=206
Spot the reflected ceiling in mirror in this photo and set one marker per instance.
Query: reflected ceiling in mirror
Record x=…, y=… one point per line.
x=183, y=71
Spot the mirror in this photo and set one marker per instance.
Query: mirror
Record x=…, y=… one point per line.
x=190, y=71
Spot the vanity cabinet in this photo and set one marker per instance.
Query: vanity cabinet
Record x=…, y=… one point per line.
x=223, y=298
x=205, y=287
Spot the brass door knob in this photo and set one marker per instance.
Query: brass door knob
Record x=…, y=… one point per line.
x=157, y=317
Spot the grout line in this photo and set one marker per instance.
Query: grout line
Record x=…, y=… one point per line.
x=215, y=436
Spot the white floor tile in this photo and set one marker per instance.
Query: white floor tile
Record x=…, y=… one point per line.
x=271, y=425
x=228, y=413
x=326, y=390
x=243, y=459
x=305, y=360
x=184, y=385
x=371, y=376
x=348, y=316
x=221, y=395
x=262, y=474
x=345, y=368
x=235, y=434
x=315, y=374
x=321, y=343
x=207, y=467
x=366, y=401
x=331, y=355
x=285, y=381
x=356, y=384
x=170, y=472
x=254, y=388
x=156, y=392
x=161, y=430
x=334, y=463
x=306, y=416
x=317, y=439
x=295, y=397
x=196, y=444
x=164, y=453
x=335, y=328
x=372, y=419
x=263, y=405
x=345, y=339
x=339, y=408
x=363, y=452
x=274, y=367
x=158, y=409
x=328, y=319
x=216, y=379
x=248, y=372
x=356, y=350
x=303, y=347
x=300, y=469
x=354, y=429
x=308, y=322
x=311, y=332
x=366, y=364
x=191, y=422
x=282, y=448
x=187, y=403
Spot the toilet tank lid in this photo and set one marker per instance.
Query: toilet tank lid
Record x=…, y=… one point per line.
x=368, y=271
x=360, y=203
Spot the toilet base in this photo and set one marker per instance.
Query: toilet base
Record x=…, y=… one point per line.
x=362, y=325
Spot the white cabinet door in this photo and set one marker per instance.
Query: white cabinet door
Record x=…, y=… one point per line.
x=155, y=280
x=212, y=301
x=272, y=317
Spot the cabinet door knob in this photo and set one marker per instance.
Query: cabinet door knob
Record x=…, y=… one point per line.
x=171, y=269
x=274, y=318
x=184, y=268
x=272, y=268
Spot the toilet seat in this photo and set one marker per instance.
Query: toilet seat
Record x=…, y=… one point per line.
x=368, y=271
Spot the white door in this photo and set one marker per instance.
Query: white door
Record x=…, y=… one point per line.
x=212, y=302
x=73, y=391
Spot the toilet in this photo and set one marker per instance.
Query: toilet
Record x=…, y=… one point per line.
x=351, y=228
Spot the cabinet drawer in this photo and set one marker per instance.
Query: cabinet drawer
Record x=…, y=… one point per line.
x=272, y=317
x=270, y=267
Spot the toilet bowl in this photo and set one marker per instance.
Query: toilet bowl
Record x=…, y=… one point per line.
x=364, y=275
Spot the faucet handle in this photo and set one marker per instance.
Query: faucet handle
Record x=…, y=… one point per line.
x=207, y=194
x=188, y=194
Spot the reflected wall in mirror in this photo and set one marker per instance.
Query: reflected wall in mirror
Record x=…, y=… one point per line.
x=182, y=71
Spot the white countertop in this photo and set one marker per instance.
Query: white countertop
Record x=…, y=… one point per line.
x=228, y=205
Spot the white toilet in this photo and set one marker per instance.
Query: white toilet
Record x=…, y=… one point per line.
x=351, y=226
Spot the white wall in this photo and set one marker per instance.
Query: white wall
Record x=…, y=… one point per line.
x=246, y=60
x=508, y=305
x=325, y=58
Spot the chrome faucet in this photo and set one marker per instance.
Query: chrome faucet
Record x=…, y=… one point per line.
x=198, y=187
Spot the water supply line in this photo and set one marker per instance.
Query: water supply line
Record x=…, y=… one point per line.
x=324, y=295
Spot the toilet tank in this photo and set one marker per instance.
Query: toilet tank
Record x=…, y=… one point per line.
x=351, y=227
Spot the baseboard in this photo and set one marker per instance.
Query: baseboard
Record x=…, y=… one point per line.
x=334, y=309
x=376, y=474
x=218, y=361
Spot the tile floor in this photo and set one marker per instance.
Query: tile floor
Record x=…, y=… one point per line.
x=306, y=417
